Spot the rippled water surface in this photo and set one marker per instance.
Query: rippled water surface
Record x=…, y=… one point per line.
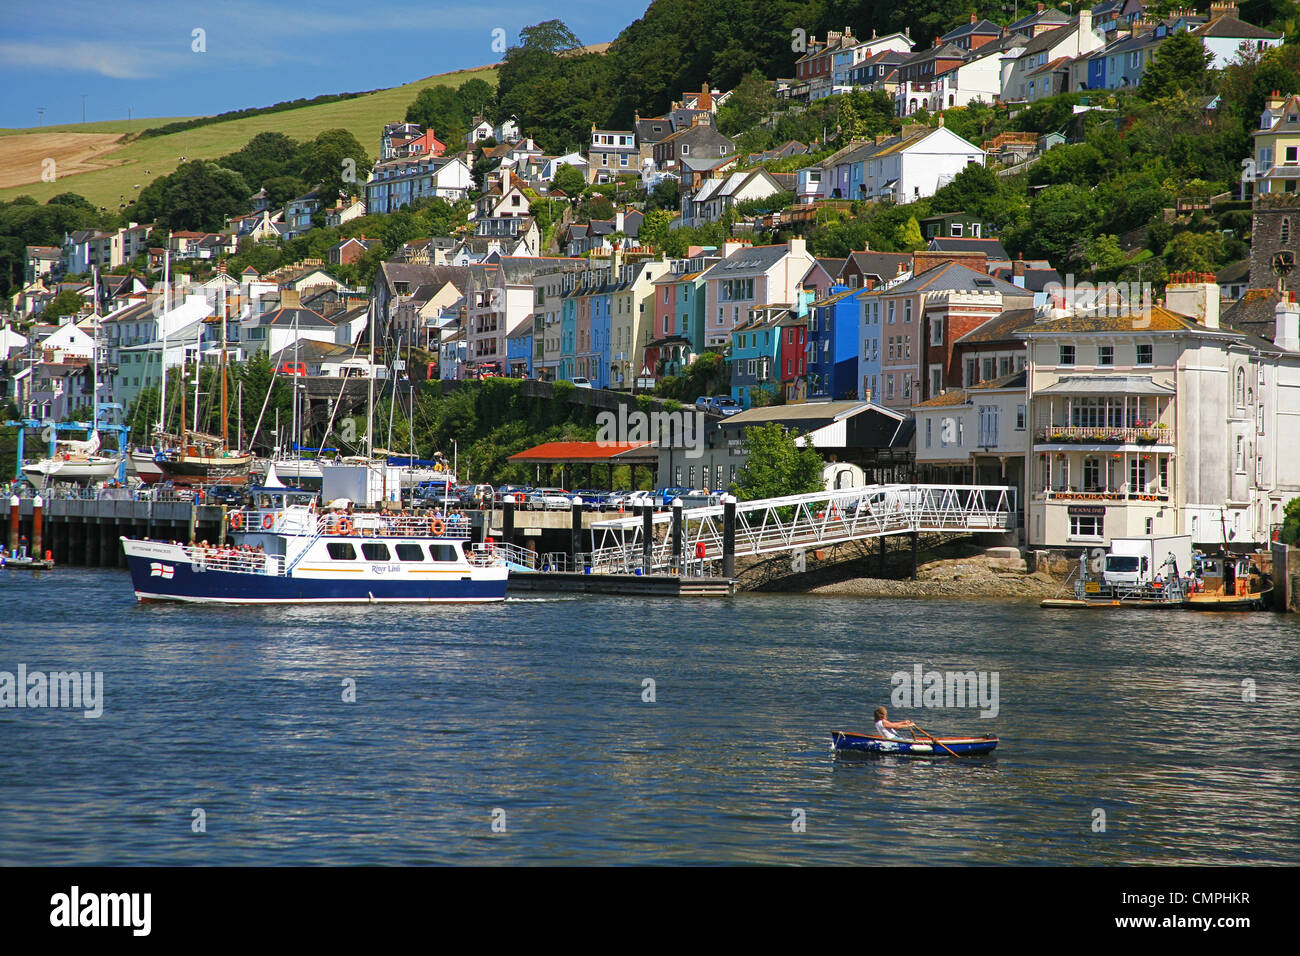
x=534, y=708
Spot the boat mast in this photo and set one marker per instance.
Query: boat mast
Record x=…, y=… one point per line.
x=162, y=321
x=225, y=410
x=370, y=399
x=94, y=356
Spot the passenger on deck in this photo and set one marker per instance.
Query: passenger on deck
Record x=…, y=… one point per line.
x=885, y=727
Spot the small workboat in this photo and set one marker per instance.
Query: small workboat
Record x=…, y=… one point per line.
x=843, y=741
x=1227, y=582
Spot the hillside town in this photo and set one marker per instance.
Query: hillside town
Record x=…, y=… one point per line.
x=1144, y=406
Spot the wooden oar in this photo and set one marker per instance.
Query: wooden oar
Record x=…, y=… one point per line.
x=936, y=740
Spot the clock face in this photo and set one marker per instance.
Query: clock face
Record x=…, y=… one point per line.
x=1283, y=262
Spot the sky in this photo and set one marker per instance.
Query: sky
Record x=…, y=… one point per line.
x=145, y=56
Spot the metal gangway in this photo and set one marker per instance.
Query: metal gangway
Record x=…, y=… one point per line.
x=799, y=522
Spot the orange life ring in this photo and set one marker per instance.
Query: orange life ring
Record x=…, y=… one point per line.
x=437, y=527
x=268, y=520
x=236, y=520
x=345, y=525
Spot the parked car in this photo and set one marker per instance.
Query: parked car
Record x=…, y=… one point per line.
x=224, y=495
x=581, y=383
x=434, y=494
x=476, y=496
x=726, y=407
x=521, y=493
x=592, y=497
x=550, y=499
x=704, y=403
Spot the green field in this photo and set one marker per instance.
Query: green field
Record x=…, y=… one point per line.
x=364, y=116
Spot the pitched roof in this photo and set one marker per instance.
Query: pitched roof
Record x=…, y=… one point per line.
x=990, y=247
x=1253, y=313
x=952, y=276
x=1230, y=27
x=1049, y=39
x=1157, y=319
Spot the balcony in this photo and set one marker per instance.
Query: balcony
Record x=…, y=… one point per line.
x=1103, y=435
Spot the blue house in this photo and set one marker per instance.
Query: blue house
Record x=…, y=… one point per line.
x=568, y=331
x=833, y=345
x=601, y=320
x=755, y=353
x=519, y=351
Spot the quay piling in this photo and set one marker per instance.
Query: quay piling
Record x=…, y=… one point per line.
x=729, y=536
x=38, y=519
x=575, y=540
x=679, y=545
x=13, y=524
x=508, y=519
x=647, y=537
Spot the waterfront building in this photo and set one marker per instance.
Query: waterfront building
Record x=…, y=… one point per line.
x=1161, y=422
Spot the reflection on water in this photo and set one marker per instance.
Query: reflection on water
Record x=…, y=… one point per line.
x=535, y=706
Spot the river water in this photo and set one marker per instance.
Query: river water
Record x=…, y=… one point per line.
x=522, y=733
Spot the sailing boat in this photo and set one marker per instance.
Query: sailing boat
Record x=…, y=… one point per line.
x=78, y=460
x=198, y=455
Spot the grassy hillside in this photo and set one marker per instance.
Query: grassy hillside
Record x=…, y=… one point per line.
x=138, y=162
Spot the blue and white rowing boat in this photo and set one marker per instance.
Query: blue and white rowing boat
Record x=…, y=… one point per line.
x=285, y=552
x=846, y=741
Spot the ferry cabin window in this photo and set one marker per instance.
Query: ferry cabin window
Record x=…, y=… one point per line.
x=375, y=552
x=410, y=552
x=444, y=552
x=342, y=551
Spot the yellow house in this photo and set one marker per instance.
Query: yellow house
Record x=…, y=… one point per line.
x=1277, y=145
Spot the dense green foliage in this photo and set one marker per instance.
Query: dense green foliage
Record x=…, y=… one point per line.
x=775, y=466
x=450, y=112
x=25, y=222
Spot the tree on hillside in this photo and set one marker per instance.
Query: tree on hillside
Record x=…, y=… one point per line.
x=441, y=109
x=569, y=179
x=909, y=236
x=478, y=98
x=1194, y=252
x=66, y=302
x=751, y=101
x=200, y=195
x=335, y=160
x=1180, y=63
x=266, y=156
x=775, y=466
x=654, y=228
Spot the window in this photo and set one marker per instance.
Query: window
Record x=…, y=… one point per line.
x=990, y=371
x=1137, y=476
x=907, y=311
x=1241, y=388
x=890, y=312
x=1086, y=526
x=444, y=552
x=1092, y=474
x=1291, y=154
x=928, y=423
x=1144, y=354
x=936, y=331
x=956, y=230
x=375, y=552
x=1067, y=355
x=971, y=366
x=341, y=551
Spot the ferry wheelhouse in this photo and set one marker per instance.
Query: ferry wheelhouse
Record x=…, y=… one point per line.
x=285, y=551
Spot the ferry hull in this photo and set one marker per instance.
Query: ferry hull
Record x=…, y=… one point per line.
x=156, y=579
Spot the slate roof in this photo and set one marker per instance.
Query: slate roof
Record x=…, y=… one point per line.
x=979, y=27
x=1253, y=313
x=1229, y=27
x=952, y=276
x=960, y=396
x=992, y=248
x=750, y=261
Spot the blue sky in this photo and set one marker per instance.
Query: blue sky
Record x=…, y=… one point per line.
x=138, y=54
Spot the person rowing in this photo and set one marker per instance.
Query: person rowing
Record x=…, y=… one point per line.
x=886, y=727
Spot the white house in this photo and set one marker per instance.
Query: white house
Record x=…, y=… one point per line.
x=917, y=165
x=1225, y=37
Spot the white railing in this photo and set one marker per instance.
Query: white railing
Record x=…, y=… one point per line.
x=814, y=520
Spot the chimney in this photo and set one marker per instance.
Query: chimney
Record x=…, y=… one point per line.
x=798, y=246
x=1041, y=7
x=289, y=299
x=1085, y=21
x=972, y=18
x=1286, y=318
x=1195, y=295
x=1018, y=267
